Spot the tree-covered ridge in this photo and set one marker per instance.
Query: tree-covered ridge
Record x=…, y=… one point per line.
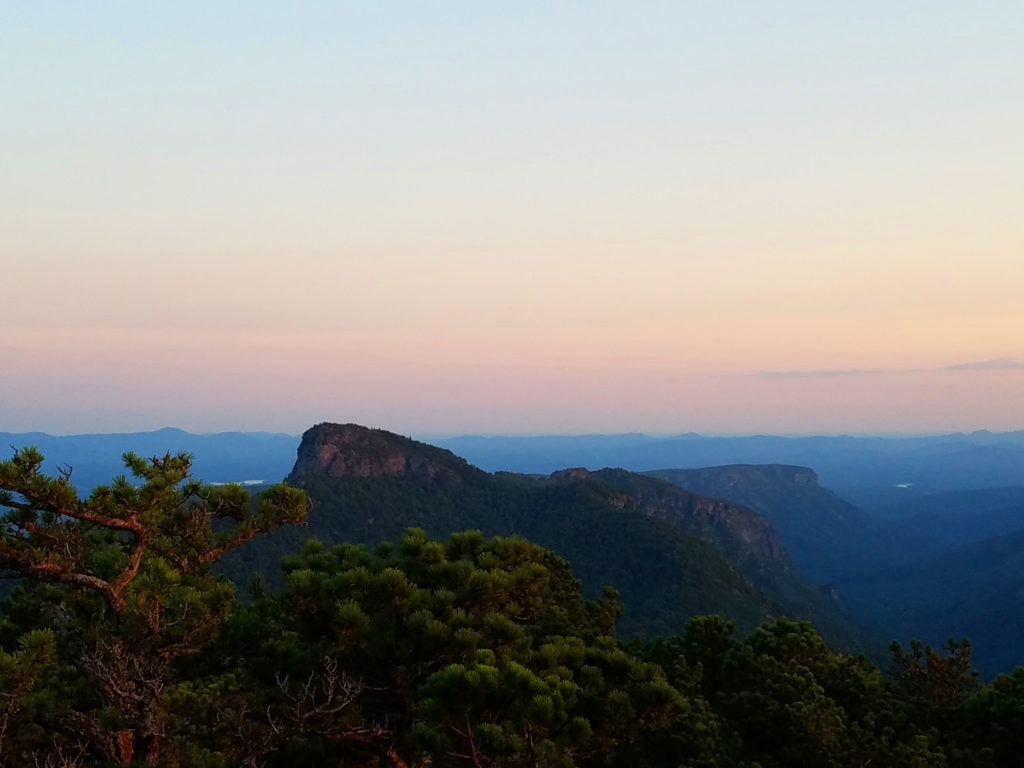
x=461, y=651
x=827, y=536
x=665, y=573
x=670, y=553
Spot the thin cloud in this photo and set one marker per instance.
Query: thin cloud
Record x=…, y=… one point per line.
x=995, y=364
x=816, y=373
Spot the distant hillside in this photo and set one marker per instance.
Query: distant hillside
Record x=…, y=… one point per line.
x=863, y=470
x=976, y=591
x=744, y=536
x=685, y=550
x=828, y=537
x=891, y=573
x=967, y=502
x=975, y=460
x=956, y=518
x=219, y=457
x=670, y=553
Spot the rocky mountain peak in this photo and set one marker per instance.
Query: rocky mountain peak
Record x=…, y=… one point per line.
x=351, y=450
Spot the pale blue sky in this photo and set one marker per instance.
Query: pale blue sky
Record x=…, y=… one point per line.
x=591, y=211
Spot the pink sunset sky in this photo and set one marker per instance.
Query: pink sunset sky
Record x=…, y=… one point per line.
x=553, y=218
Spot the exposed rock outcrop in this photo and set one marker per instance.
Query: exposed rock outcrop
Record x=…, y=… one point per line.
x=826, y=536
x=350, y=450
x=740, y=533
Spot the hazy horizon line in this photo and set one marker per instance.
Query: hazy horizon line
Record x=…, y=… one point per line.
x=428, y=436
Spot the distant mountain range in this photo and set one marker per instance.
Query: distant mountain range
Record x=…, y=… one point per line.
x=867, y=471
x=911, y=536
x=220, y=457
x=975, y=460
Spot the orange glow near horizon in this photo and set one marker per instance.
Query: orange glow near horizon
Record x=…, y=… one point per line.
x=540, y=221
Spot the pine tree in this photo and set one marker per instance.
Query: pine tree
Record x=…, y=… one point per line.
x=124, y=578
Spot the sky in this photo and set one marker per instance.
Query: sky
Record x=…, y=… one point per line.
x=514, y=218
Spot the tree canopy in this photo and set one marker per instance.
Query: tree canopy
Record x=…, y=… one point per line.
x=122, y=582
x=123, y=646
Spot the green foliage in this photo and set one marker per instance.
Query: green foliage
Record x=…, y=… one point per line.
x=124, y=647
x=663, y=573
x=468, y=647
x=785, y=699
x=935, y=682
x=123, y=583
x=993, y=716
x=19, y=671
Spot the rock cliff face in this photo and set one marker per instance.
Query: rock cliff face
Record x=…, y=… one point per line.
x=753, y=536
x=825, y=535
x=350, y=450
x=740, y=533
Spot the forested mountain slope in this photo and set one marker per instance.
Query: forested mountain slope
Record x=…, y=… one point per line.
x=974, y=460
x=827, y=536
x=398, y=654
x=857, y=468
x=955, y=518
x=671, y=554
x=976, y=591
x=964, y=502
x=931, y=573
